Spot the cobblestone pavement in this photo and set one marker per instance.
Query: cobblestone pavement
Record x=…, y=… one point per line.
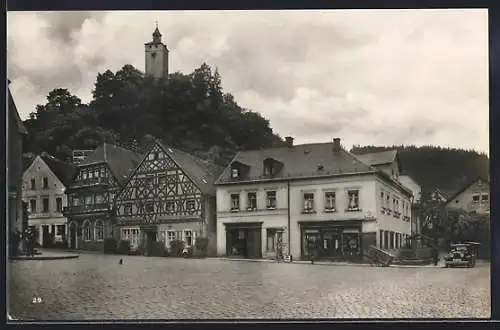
x=96, y=287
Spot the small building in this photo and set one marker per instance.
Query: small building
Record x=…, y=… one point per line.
x=16, y=134
x=91, y=194
x=310, y=198
x=44, y=186
x=169, y=196
x=439, y=195
x=473, y=197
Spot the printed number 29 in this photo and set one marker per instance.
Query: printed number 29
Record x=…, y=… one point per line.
x=36, y=300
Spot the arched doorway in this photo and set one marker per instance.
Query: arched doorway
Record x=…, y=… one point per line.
x=72, y=235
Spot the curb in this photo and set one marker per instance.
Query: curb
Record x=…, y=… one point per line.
x=337, y=264
x=44, y=258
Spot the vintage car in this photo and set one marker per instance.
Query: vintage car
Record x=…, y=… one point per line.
x=463, y=254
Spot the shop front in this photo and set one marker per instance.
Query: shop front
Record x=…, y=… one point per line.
x=244, y=240
x=332, y=240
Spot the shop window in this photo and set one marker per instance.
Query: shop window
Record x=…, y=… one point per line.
x=87, y=231
x=99, y=230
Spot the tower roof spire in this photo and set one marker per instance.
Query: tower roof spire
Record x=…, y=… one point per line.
x=156, y=34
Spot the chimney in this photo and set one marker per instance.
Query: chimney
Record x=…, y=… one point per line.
x=289, y=141
x=336, y=144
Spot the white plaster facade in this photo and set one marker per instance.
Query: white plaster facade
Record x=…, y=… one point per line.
x=369, y=213
x=53, y=192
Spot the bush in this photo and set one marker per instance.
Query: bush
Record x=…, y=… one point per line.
x=110, y=245
x=201, y=247
x=158, y=249
x=123, y=247
x=176, y=248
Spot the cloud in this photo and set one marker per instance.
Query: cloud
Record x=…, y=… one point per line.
x=369, y=77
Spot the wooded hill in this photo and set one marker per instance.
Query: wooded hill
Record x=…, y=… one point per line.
x=192, y=112
x=432, y=167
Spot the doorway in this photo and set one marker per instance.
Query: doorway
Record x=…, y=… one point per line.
x=46, y=239
x=244, y=242
x=149, y=240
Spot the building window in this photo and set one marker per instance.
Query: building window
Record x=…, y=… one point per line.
x=87, y=231
x=271, y=239
x=131, y=235
x=60, y=230
x=59, y=204
x=235, y=173
x=308, y=202
x=103, y=173
x=76, y=201
x=99, y=230
x=388, y=202
x=251, y=201
x=171, y=236
x=149, y=181
x=153, y=156
x=45, y=183
x=188, y=237
x=33, y=205
x=33, y=184
x=170, y=206
x=150, y=208
x=45, y=205
x=91, y=175
x=162, y=179
x=484, y=198
x=353, y=200
x=99, y=199
x=271, y=200
x=128, y=209
x=382, y=200
x=235, y=202
x=84, y=175
x=88, y=200
x=190, y=204
x=475, y=199
x=268, y=170
x=330, y=201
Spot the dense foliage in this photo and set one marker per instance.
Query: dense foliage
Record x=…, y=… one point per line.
x=190, y=112
x=436, y=167
x=193, y=113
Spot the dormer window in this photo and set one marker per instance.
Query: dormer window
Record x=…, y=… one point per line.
x=235, y=173
x=268, y=170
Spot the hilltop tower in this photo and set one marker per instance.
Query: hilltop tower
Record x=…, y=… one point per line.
x=156, y=54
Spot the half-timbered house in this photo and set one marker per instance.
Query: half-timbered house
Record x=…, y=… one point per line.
x=91, y=194
x=170, y=196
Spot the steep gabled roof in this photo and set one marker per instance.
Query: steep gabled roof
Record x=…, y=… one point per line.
x=120, y=161
x=467, y=186
x=379, y=158
x=300, y=161
x=201, y=172
x=63, y=171
x=15, y=114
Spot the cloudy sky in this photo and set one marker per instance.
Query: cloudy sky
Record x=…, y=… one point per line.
x=369, y=77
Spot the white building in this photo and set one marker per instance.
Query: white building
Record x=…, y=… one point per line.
x=416, y=189
x=311, y=196
x=44, y=184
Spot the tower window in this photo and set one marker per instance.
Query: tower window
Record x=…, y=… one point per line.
x=153, y=55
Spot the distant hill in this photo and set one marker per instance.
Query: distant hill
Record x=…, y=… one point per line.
x=436, y=167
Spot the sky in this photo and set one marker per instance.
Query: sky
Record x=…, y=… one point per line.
x=369, y=77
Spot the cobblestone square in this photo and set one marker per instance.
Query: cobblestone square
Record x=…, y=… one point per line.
x=95, y=287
